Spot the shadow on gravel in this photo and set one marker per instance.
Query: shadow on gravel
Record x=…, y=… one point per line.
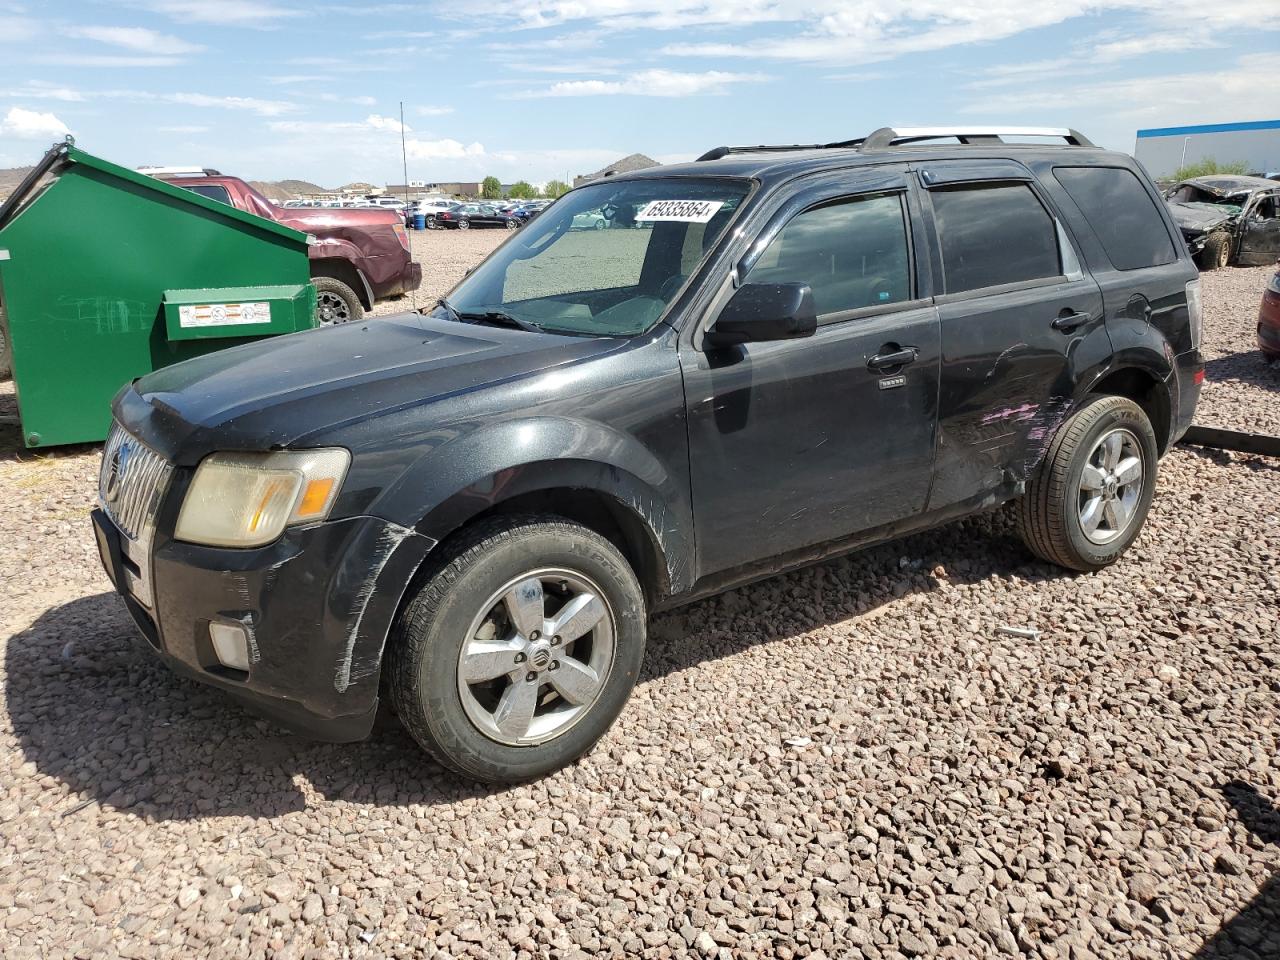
x=1254, y=932
x=1248, y=367
x=91, y=707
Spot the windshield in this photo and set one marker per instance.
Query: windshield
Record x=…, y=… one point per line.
x=605, y=259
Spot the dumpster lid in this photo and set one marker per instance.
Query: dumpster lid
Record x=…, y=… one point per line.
x=64, y=153
x=233, y=294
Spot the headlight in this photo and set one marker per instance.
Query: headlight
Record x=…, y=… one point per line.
x=247, y=499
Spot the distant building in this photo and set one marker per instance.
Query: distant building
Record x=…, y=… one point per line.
x=637, y=161
x=1257, y=144
x=417, y=189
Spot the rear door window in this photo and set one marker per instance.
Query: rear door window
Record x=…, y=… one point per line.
x=212, y=191
x=1122, y=214
x=994, y=234
x=853, y=254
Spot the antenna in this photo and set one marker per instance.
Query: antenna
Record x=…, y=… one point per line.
x=404, y=159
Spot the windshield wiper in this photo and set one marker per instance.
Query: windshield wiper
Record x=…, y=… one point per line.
x=498, y=318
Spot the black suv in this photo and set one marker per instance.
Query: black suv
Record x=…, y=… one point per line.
x=776, y=354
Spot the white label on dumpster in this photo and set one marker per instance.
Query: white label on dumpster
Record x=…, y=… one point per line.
x=680, y=211
x=222, y=314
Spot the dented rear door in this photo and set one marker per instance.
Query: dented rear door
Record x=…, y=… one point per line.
x=1019, y=321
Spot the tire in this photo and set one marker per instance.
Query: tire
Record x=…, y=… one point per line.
x=512, y=224
x=1052, y=515
x=1216, y=252
x=464, y=224
x=599, y=225
x=465, y=598
x=430, y=223
x=336, y=302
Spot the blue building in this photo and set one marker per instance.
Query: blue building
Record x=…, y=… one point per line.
x=1256, y=143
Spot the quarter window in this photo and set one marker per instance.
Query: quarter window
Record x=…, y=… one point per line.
x=1122, y=214
x=212, y=191
x=853, y=254
x=994, y=234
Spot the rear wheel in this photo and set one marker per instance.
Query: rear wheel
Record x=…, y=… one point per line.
x=521, y=650
x=1216, y=252
x=464, y=224
x=430, y=223
x=336, y=302
x=1088, y=499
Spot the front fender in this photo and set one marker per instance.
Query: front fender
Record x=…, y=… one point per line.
x=469, y=474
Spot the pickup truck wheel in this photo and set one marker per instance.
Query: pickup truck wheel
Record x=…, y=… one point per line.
x=1088, y=499
x=1216, y=252
x=520, y=651
x=335, y=302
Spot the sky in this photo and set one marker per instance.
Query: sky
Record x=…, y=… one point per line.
x=541, y=89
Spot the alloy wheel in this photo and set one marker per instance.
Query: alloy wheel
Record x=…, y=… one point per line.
x=1111, y=486
x=331, y=309
x=536, y=657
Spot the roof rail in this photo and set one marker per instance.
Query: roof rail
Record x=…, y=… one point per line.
x=179, y=171
x=887, y=137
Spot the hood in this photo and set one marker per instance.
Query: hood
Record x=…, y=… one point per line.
x=275, y=392
x=1194, y=218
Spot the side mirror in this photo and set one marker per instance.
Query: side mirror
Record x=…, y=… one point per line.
x=765, y=311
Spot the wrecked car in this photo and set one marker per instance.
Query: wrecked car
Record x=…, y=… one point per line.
x=473, y=511
x=1228, y=219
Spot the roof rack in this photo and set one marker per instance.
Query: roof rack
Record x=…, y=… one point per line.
x=887, y=138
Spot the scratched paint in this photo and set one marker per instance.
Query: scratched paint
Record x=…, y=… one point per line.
x=389, y=541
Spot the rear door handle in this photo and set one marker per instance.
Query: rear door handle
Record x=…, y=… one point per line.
x=1067, y=322
x=887, y=361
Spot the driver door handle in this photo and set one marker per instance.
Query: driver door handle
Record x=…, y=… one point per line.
x=887, y=361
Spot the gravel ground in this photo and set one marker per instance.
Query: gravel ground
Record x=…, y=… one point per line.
x=446, y=256
x=846, y=761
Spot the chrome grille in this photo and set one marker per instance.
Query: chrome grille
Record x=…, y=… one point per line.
x=132, y=479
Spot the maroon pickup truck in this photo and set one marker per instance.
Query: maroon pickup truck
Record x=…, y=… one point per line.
x=360, y=256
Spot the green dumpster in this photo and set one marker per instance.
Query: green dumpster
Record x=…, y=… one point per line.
x=107, y=274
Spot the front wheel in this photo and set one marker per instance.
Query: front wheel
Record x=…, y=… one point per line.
x=1088, y=499
x=521, y=650
x=1216, y=253
x=335, y=302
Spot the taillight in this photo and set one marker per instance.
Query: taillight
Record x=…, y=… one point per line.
x=1195, y=311
x=401, y=234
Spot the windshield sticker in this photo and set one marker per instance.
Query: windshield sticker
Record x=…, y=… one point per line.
x=681, y=211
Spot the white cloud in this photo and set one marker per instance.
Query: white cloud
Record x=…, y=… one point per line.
x=1245, y=89
x=39, y=90
x=1131, y=48
x=386, y=123
x=263, y=108
x=432, y=111
x=105, y=60
x=340, y=98
x=446, y=149
x=29, y=125
x=138, y=39
x=648, y=83
x=223, y=13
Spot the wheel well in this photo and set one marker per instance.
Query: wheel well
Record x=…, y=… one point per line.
x=344, y=272
x=1144, y=390
x=607, y=517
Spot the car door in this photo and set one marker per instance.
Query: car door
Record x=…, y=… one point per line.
x=794, y=443
x=1018, y=319
x=1260, y=233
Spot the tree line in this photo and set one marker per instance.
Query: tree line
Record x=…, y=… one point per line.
x=491, y=189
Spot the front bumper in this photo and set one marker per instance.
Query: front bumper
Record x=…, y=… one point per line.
x=316, y=606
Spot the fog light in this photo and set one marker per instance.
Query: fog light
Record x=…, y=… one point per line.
x=230, y=645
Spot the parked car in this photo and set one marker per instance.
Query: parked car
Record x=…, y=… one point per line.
x=430, y=209
x=589, y=220
x=1269, y=318
x=525, y=212
x=359, y=258
x=1228, y=219
x=467, y=215
x=810, y=350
